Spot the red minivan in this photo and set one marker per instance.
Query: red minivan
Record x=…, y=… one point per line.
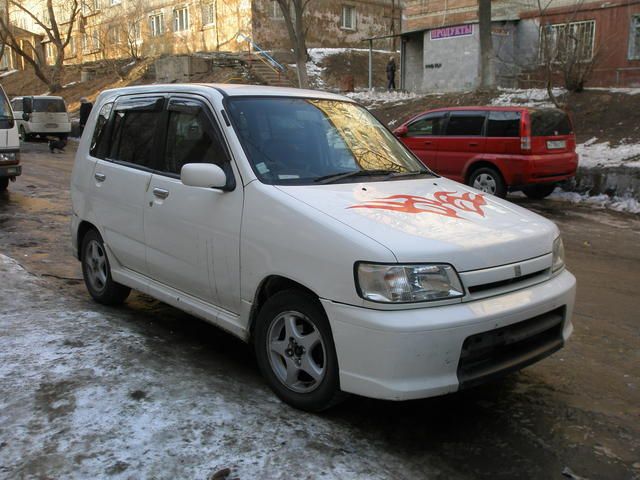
x=495, y=149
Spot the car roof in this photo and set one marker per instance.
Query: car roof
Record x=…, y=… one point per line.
x=52, y=97
x=230, y=90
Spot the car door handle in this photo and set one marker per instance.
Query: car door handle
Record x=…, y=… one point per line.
x=101, y=177
x=160, y=192
x=428, y=143
x=473, y=144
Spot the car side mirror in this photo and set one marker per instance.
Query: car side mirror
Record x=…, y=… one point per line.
x=25, y=116
x=401, y=131
x=27, y=105
x=206, y=175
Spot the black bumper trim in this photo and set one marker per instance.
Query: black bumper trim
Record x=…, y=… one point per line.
x=6, y=169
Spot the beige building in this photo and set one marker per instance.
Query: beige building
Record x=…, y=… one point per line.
x=140, y=28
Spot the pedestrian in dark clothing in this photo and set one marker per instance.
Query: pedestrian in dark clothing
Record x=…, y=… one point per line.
x=391, y=74
x=85, y=110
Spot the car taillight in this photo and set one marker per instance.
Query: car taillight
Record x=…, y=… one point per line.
x=525, y=131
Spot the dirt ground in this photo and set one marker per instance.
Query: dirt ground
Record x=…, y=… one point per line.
x=146, y=391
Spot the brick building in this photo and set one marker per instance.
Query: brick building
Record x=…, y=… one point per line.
x=125, y=28
x=440, y=42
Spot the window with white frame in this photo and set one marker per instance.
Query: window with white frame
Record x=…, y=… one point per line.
x=634, y=38
x=5, y=60
x=276, y=11
x=180, y=19
x=115, y=2
x=208, y=14
x=156, y=24
x=348, y=17
x=71, y=47
x=135, y=30
x=51, y=53
x=567, y=41
x=90, y=42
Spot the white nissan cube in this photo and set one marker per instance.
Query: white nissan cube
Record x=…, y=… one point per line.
x=294, y=220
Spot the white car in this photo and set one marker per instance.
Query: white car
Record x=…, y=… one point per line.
x=296, y=221
x=41, y=115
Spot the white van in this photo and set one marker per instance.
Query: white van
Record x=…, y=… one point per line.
x=296, y=221
x=41, y=115
x=10, y=166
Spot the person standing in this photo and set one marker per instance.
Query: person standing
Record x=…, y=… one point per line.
x=391, y=74
x=85, y=110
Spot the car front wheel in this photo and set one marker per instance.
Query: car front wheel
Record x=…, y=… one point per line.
x=488, y=180
x=4, y=183
x=295, y=351
x=97, y=272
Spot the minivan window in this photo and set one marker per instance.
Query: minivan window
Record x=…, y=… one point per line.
x=427, y=125
x=191, y=138
x=49, y=105
x=550, y=122
x=465, y=124
x=304, y=141
x=98, y=146
x=133, y=135
x=503, y=124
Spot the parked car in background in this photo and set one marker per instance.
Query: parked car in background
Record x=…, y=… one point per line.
x=9, y=143
x=42, y=116
x=296, y=221
x=495, y=149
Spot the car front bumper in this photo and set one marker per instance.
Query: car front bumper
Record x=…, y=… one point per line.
x=10, y=170
x=409, y=354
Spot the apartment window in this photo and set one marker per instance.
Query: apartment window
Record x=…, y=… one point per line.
x=115, y=2
x=276, y=11
x=208, y=14
x=5, y=61
x=51, y=53
x=348, y=17
x=156, y=24
x=72, y=47
x=567, y=41
x=136, y=30
x=114, y=35
x=634, y=38
x=180, y=19
x=91, y=6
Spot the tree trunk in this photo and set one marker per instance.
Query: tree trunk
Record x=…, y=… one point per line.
x=487, y=79
x=297, y=36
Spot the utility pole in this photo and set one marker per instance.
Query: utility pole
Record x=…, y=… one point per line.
x=487, y=79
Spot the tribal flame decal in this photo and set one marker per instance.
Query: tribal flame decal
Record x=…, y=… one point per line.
x=447, y=204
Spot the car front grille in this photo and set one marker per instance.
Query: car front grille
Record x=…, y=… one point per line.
x=509, y=282
x=496, y=352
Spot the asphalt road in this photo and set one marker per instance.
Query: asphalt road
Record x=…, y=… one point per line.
x=146, y=391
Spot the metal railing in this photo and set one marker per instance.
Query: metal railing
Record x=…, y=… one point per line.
x=262, y=55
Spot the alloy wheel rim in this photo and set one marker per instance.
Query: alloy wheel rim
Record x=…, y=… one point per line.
x=296, y=352
x=485, y=183
x=96, y=263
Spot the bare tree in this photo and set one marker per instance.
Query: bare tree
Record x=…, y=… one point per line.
x=57, y=30
x=293, y=12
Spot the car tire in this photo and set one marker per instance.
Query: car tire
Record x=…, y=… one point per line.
x=4, y=183
x=295, y=351
x=96, y=272
x=538, y=192
x=24, y=136
x=488, y=180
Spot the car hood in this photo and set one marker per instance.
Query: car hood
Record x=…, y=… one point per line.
x=434, y=220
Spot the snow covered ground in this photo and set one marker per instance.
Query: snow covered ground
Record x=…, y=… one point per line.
x=619, y=204
x=376, y=98
x=93, y=392
x=593, y=154
x=532, y=97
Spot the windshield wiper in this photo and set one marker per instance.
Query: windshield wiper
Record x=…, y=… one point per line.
x=333, y=177
x=410, y=174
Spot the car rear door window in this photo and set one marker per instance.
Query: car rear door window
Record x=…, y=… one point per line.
x=427, y=125
x=549, y=123
x=99, y=140
x=134, y=128
x=465, y=124
x=191, y=137
x=503, y=124
x=49, y=105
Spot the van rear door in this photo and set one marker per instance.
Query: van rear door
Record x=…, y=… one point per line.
x=551, y=132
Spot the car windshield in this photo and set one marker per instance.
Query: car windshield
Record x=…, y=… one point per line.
x=307, y=141
x=5, y=108
x=549, y=123
x=50, y=105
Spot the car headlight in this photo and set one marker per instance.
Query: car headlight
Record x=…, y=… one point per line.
x=407, y=283
x=558, y=255
x=8, y=157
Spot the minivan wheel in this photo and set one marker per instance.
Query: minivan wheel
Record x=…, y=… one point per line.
x=295, y=351
x=489, y=180
x=97, y=272
x=24, y=136
x=538, y=192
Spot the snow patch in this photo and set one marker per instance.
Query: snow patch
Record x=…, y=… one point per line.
x=628, y=91
x=532, y=97
x=619, y=204
x=374, y=98
x=594, y=154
